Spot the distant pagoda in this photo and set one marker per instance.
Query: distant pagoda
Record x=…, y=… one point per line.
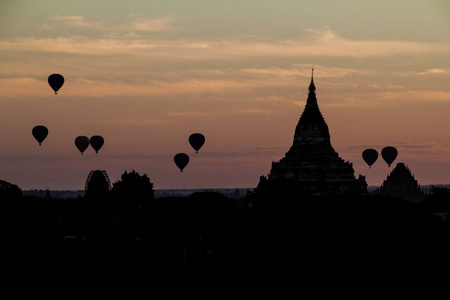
x=311, y=162
x=97, y=183
x=402, y=184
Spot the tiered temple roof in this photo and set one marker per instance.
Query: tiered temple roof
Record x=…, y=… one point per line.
x=311, y=161
x=401, y=183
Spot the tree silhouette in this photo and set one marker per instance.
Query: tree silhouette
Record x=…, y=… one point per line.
x=9, y=191
x=438, y=200
x=133, y=195
x=132, y=192
x=10, y=201
x=133, y=188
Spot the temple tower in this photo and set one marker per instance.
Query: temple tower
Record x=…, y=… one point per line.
x=402, y=184
x=97, y=183
x=311, y=162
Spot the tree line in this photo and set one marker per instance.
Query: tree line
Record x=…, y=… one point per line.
x=279, y=226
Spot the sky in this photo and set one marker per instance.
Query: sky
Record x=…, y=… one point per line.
x=147, y=74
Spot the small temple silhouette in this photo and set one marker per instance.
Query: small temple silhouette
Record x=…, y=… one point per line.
x=402, y=184
x=97, y=182
x=311, y=162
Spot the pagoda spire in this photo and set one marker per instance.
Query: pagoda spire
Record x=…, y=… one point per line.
x=311, y=128
x=312, y=87
x=312, y=91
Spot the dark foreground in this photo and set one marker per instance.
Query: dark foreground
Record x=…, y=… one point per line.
x=209, y=234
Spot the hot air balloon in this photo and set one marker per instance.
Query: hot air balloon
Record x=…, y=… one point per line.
x=96, y=142
x=56, y=81
x=370, y=156
x=389, y=154
x=181, y=160
x=40, y=133
x=196, y=140
x=82, y=142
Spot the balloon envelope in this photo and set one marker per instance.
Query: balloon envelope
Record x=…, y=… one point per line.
x=181, y=160
x=370, y=156
x=196, y=140
x=55, y=81
x=389, y=154
x=82, y=142
x=40, y=133
x=96, y=142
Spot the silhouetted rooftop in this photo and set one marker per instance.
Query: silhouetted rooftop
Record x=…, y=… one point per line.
x=311, y=160
x=401, y=183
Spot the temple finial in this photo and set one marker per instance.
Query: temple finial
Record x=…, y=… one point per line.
x=312, y=87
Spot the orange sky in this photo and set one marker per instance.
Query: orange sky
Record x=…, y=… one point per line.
x=146, y=76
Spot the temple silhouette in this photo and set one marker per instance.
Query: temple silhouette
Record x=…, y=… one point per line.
x=402, y=184
x=311, y=163
x=97, y=183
